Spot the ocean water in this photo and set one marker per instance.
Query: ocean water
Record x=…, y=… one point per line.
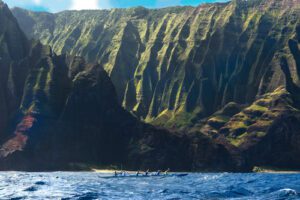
x=88, y=185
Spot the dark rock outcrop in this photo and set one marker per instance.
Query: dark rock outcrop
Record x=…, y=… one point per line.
x=13, y=49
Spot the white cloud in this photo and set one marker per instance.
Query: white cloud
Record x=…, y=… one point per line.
x=84, y=4
x=37, y=2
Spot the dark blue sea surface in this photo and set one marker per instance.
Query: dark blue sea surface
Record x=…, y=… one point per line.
x=88, y=185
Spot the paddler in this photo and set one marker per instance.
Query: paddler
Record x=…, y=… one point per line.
x=158, y=173
x=167, y=171
x=138, y=173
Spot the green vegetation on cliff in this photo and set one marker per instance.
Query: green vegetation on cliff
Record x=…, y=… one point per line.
x=58, y=109
x=182, y=61
x=226, y=74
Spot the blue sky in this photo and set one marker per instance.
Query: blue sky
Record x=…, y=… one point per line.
x=59, y=5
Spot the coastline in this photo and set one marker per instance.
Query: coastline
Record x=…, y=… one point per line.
x=267, y=170
x=270, y=170
x=278, y=172
x=110, y=169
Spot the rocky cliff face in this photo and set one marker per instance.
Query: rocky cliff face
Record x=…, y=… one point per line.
x=176, y=65
x=58, y=110
x=13, y=48
x=67, y=117
x=228, y=72
x=266, y=133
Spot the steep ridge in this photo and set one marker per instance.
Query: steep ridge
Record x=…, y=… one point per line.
x=66, y=113
x=184, y=63
x=266, y=133
x=13, y=48
x=67, y=118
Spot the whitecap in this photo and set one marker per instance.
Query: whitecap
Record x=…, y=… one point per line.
x=289, y=191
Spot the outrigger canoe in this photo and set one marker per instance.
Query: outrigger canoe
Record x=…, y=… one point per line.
x=145, y=176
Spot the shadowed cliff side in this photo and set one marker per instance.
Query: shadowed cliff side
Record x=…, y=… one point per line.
x=13, y=48
x=67, y=111
x=174, y=66
x=70, y=118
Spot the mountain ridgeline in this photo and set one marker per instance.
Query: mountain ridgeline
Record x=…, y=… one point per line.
x=174, y=66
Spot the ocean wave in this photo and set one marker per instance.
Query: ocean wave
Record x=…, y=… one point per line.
x=282, y=194
x=288, y=192
x=86, y=196
x=31, y=189
x=88, y=186
x=40, y=183
x=17, y=198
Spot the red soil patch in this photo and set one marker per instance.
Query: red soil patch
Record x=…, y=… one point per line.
x=19, y=140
